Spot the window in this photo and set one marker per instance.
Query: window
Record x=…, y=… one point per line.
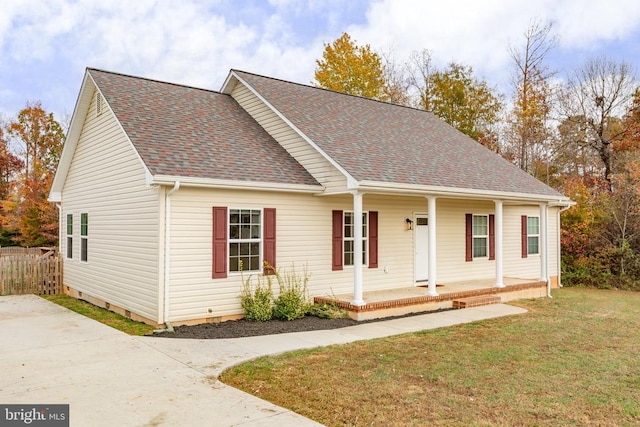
x=84, y=233
x=480, y=235
x=342, y=239
x=349, y=234
x=245, y=239
x=533, y=235
x=69, y=236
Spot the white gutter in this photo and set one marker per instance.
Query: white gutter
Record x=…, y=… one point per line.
x=167, y=255
x=233, y=184
x=387, y=188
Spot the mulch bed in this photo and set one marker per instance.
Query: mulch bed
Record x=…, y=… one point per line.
x=245, y=328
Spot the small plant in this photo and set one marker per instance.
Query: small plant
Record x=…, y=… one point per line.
x=292, y=302
x=256, y=301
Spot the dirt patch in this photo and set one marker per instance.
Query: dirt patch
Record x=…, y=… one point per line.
x=246, y=328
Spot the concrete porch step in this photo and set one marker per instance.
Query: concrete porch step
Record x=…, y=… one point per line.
x=476, y=301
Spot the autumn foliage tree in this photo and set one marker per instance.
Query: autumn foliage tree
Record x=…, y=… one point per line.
x=528, y=131
x=37, y=138
x=348, y=68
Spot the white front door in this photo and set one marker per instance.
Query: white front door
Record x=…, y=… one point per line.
x=421, y=233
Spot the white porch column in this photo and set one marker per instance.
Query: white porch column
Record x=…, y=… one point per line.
x=498, y=243
x=544, y=276
x=357, y=249
x=431, y=291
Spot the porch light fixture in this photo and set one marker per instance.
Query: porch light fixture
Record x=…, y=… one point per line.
x=408, y=224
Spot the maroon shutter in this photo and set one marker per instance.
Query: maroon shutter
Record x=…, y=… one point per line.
x=269, y=232
x=373, y=239
x=219, y=242
x=469, y=237
x=336, y=263
x=524, y=237
x=492, y=237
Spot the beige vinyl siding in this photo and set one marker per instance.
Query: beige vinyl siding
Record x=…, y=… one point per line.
x=304, y=240
x=319, y=167
x=451, y=242
x=107, y=181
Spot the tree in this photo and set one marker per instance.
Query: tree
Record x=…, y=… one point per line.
x=527, y=124
x=596, y=97
x=462, y=100
x=349, y=68
x=39, y=138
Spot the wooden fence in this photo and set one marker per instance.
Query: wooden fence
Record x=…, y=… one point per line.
x=31, y=273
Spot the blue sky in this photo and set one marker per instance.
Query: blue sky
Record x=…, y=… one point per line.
x=45, y=45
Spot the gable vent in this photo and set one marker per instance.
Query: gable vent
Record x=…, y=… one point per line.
x=98, y=104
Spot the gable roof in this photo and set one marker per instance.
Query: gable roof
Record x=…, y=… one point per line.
x=383, y=143
x=181, y=132
x=188, y=132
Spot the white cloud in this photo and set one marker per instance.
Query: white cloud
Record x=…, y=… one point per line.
x=45, y=46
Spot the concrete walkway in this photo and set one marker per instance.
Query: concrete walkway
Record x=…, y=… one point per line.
x=49, y=355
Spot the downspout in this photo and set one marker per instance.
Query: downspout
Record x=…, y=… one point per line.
x=167, y=257
x=59, y=206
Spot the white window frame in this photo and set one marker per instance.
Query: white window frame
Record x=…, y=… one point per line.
x=69, y=239
x=84, y=238
x=477, y=237
x=533, y=236
x=238, y=240
x=365, y=238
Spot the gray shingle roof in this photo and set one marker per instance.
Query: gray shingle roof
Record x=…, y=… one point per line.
x=376, y=141
x=188, y=132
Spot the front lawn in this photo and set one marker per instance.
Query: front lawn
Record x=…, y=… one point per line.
x=572, y=360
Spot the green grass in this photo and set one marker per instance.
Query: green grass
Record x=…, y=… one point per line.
x=571, y=361
x=102, y=315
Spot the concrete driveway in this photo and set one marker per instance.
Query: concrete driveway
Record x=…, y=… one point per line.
x=50, y=355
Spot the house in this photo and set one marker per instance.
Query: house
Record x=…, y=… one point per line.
x=163, y=189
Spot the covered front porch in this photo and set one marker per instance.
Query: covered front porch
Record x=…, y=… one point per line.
x=401, y=301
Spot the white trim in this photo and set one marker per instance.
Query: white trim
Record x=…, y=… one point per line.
x=350, y=179
x=542, y=242
x=498, y=243
x=390, y=187
x=233, y=184
x=431, y=202
x=357, y=250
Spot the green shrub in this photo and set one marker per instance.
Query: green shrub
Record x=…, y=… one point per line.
x=256, y=301
x=292, y=302
x=327, y=310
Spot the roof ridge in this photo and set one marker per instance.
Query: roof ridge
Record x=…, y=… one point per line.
x=89, y=69
x=333, y=91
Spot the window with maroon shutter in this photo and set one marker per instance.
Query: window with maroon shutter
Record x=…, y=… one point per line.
x=343, y=234
x=492, y=237
x=478, y=240
x=269, y=240
x=219, y=242
x=373, y=239
x=468, y=232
